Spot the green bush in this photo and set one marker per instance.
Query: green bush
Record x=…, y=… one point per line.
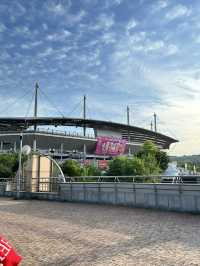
x=71, y=168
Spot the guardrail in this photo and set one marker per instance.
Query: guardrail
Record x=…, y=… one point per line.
x=190, y=179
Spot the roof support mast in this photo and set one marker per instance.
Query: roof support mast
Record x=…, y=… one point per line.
x=84, y=127
x=155, y=122
x=84, y=114
x=128, y=123
x=35, y=115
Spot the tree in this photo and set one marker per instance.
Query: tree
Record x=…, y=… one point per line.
x=8, y=165
x=91, y=170
x=71, y=168
x=148, y=149
x=123, y=166
x=156, y=161
x=162, y=160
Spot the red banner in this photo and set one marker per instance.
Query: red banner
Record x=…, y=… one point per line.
x=110, y=146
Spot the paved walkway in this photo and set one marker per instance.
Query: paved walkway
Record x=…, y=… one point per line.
x=53, y=233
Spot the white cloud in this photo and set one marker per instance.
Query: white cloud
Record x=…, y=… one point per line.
x=104, y=22
x=110, y=3
x=177, y=12
x=144, y=42
x=108, y=38
x=22, y=30
x=2, y=27
x=76, y=18
x=59, y=36
x=157, y=6
x=131, y=25
x=154, y=45
x=30, y=45
x=171, y=49
x=58, y=9
x=45, y=26
x=64, y=10
x=48, y=51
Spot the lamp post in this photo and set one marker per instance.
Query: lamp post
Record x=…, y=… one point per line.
x=20, y=168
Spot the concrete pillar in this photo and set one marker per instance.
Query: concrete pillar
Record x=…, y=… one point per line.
x=84, y=151
x=1, y=145
x=61, y=151
x=15, y=146
x=34, y=144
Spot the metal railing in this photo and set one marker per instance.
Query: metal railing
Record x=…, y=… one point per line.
x=189, y=179
x=62, y=133
x=31, y=184
x=46, y=184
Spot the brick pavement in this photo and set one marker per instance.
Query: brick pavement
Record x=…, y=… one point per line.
x=53, y=233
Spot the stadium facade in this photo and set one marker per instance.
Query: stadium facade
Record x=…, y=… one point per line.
x=106, y=139
x=76, y=145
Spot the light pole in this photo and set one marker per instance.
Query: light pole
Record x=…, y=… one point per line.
x=20, y=168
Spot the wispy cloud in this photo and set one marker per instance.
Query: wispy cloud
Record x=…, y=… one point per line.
x=104, y=22
x=2, y=27
x=178, y=11
x=57, y=8
x=159, y=5
x=59, y=36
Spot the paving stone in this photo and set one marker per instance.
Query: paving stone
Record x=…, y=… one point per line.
x=60, y=233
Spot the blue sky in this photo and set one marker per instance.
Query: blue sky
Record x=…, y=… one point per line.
x=140, y=53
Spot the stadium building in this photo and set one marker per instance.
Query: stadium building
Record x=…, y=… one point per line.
x=106, y=139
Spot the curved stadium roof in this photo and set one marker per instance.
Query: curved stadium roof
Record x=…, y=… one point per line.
x=135, y=134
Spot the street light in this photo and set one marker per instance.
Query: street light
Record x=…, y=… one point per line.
x=20, y=167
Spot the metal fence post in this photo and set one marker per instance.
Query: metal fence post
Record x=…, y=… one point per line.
x=156, y=196
x=116, y=193
x=99, y=192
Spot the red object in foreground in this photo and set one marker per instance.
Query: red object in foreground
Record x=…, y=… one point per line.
x=8, y=256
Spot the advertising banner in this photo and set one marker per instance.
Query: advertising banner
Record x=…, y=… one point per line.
x=110, y=146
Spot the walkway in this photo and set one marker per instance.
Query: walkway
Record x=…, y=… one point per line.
x=53, y=233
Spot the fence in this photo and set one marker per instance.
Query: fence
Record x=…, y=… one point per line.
x=32, y=185
x=140, y=191
x=186, y=179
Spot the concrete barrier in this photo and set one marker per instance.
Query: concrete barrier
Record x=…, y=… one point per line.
x=174, y=197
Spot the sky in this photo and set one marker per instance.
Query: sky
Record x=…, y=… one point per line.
x=141, y=53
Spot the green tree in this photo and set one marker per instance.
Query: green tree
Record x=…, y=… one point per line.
x=162, y=160
x=91, y=170
x=71, y=168
x=8, y=165
x=156, y=161
x=148, y=148
x=122, y=166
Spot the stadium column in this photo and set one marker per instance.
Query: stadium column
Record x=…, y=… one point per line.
x=1, y=145
x=61, y=151
x=15, y=146
x=35, y=116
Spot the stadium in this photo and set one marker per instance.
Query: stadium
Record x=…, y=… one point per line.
x=86, y=138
